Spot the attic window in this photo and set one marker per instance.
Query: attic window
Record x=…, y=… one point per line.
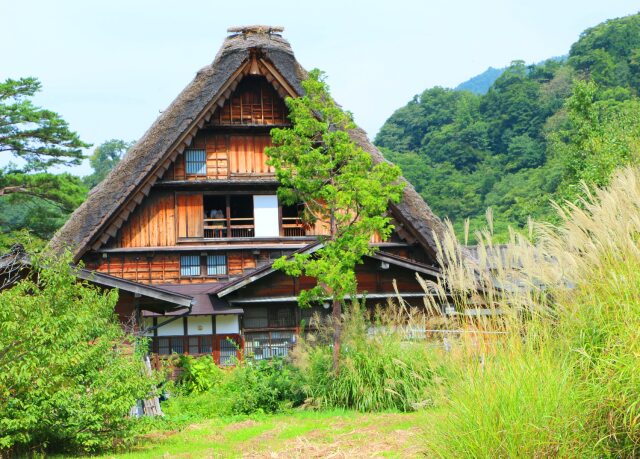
x=196, y=162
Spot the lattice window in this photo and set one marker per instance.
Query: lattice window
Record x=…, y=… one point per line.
x=168, y=345
x=228, y=352
x=216, y=265
x=260, y=346
x=189, y=265
x=196, y=162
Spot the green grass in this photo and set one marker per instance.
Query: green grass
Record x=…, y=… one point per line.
x=297, y=434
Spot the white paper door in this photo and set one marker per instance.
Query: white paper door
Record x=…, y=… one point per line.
x=265, y=212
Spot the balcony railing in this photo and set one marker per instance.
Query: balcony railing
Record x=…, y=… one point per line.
x=216, y=228
x=292, y=226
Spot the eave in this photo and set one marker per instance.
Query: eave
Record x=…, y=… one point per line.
x=105, y=280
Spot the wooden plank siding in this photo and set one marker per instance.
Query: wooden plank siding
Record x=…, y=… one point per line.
x=190, y=214
x=246, y=155
x=254, y=103
x=165, y=268
x=227, y=156
x=152, y=223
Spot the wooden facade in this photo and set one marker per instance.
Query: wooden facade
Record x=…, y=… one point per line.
x=202, y=219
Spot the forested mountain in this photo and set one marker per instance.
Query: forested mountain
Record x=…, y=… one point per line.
x=536, y=133
x=481, y=83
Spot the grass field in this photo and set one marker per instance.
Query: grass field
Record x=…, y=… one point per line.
x=308, y=434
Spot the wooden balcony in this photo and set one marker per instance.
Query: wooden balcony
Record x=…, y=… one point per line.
x=218, y=228
x=292, y=227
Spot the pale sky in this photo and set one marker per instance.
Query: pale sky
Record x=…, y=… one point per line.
x=110, y=67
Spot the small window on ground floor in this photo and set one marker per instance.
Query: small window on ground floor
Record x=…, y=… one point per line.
x=260, y=346
x=200, y=344
x=168, y=345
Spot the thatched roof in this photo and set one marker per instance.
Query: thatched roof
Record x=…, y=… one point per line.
x=132, y=178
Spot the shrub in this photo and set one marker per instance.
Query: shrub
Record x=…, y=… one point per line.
x=250, y=387
x=68, y=376
x=262, y=387
x=378, y=371
x=198, y=374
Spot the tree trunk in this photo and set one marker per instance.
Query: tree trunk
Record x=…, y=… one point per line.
x=337, y=330
x=337, y=305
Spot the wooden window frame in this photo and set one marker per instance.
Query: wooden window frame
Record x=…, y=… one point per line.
x=204, y=267
x=198, y=265
x=202, y=165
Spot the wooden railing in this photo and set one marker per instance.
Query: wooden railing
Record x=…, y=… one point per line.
x=215, y=228
x=292, y=226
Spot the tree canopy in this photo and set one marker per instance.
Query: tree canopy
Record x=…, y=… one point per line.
x=318, y=165
x=533, y=137
x=104, y=158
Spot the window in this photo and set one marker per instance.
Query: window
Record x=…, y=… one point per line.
x=216, y=265
x=200, y=344
x=168, y=345
x=189, y=265
x=196, y=162
x=260, y=346
x=272, y=317
x=256, y=317
x=228, y=351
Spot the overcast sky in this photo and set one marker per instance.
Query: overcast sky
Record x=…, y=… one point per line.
x=110, y=67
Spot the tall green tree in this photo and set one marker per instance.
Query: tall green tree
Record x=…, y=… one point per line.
x=104, y=158
x=41, y=138
x=318, y=164
x=30, y=197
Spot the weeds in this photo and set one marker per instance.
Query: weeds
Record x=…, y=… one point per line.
x=564, y=380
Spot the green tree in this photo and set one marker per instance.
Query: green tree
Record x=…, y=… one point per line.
x=602, y=135
x=41, y=138
x=40, y=204
x=318, y=164
x=104, y=158
x=68, y=373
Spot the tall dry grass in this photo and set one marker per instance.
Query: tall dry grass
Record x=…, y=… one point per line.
x=564, y=378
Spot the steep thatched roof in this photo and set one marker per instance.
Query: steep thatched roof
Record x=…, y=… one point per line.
x=132, y=178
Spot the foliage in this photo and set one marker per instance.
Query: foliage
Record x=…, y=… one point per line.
x=68, y=374
x=318, y=164
x=481, y=83
x=104, y=158
x=380, y=371
x=198, y=374
x=250, y=387
x=41, y=205
x=39, y=137
x=601, y=136
x=262, y=387
x=561, y=379
x=524, y=142
x=39, y=202
x=609, y=54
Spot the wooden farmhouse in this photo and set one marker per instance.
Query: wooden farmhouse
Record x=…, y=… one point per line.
x=188, y=224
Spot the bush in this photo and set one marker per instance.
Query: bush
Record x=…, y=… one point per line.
x=198, y=374
x=263, y=387
x=380, y=371
x=248, y=388
x=68, y=376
